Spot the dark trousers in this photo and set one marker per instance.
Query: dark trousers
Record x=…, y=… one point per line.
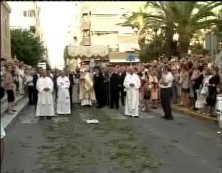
x=114, y=99
x=165, y=95
x=35, y=97
x=31, y=94
x=70, y=96
x=123, y=95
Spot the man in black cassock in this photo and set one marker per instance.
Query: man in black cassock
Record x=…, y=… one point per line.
x=114, y=89
x=99, y=87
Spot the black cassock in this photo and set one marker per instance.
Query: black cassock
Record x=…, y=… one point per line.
x=99, y=87
x=114, y=90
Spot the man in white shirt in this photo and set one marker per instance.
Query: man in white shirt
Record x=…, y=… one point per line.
x=2, y=142
x=166, y=92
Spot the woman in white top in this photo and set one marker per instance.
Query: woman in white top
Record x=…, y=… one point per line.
x=204, y=89
x=21, y=75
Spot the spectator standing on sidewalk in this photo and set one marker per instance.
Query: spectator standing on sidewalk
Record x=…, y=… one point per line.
x=30, y=85
x=21, y=75
x=2, y=142
x=212, y=89
x=9, y=86
x=2, y=91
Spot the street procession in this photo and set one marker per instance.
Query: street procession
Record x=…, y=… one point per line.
x=111, y=87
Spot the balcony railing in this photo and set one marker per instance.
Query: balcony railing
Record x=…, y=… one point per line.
x=86, y=41
x=86, y=26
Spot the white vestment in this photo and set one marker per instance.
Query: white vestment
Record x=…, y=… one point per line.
x=132, y=94
x=45, y=105
x=218, y=109
x=86, y=91
x=63, y=98
x=75, y=91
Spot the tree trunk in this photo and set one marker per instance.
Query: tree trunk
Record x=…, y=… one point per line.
x=141, y=39
x=184, y=43
x=168, y=42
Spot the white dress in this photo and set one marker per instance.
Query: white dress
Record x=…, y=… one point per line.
x=132, y=95
x=218, y=110
x=45, y=105
x=2, y=132
x=63, y=97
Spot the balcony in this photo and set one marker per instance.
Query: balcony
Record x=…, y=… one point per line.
x=86, y=41
x=86, y=26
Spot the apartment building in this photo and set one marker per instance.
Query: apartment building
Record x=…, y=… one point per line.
x=100, y=23
x=100, y=26
x=5, y=30
x=25, y=15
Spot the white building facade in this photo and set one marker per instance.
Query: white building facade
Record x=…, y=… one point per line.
x=25, y=15
x=5, y=30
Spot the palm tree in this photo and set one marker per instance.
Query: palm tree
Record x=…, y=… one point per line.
x=139, y=21
x=163, y=18
x=186, y=17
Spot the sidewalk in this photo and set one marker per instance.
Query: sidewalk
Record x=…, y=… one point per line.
x=194, y=114
x=7, y=119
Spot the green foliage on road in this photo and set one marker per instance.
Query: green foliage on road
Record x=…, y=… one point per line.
x=26, y=46
x=110, y=146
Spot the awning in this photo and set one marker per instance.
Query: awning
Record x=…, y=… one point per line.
x=122, y=57
x=122, y=60
x=87, y=51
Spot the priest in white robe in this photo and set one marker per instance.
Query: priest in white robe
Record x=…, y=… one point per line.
x=132, y=85
x=45, y=105
x=63, y=97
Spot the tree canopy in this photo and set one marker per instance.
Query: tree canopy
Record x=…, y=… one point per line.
x=185, y=17
x=26, y=46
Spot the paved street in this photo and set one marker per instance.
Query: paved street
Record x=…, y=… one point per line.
x=117, y=144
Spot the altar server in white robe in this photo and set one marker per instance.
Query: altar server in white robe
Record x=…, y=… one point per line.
x=132, y=85
x=45, y=105
x=63, y=97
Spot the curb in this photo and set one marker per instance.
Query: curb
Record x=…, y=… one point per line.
x=8, y=120
x=4, y=101
x=191, y=113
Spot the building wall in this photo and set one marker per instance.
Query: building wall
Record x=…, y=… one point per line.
x=100, y=24
x=25, y=15
x=5, y=31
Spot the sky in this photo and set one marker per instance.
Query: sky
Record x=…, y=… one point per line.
x=55, y=19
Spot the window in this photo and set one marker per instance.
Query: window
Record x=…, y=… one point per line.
x=29, y=13
x=86, y=34
x=24, y=13
x=85, y=18
x=32, y=29
x=6, y=30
